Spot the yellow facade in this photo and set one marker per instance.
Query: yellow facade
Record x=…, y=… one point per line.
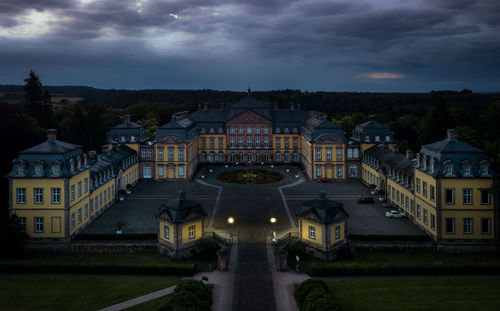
x=53, y=222
x=198, y=231
x=370, y=175
x=30, y=184
x=76, y=190
x=333, y=229
x=129, y=176
x=167, y=167
x=305, y=228
x=171, y=233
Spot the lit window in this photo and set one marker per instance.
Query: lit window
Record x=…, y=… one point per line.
x=192, y=232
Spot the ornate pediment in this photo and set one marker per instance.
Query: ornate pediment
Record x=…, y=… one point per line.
x=170, y=139
x=248, y=117
x=329, y=139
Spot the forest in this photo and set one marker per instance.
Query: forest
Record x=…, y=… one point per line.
x=26, y=111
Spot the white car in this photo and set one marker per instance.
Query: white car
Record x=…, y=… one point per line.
x=395, y=214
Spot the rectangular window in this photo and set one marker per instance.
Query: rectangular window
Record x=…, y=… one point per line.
x=73, y=221
x=339, y=154
x=22, y=223
x=181, y=153
x=450, y=225
x=96, y=200
x=418, y=185
x=412, y=206
x=100, y=199
x=85, y=185
x=79, y=189
x=295, y=142
x=257, y=130
x=203, y=142
x=257, y=142
x=91, y=207
x=181, y=170
x=318, y=170
x=431, y=192
x=485, y=196
x=449, y=196
x=426, y=217
x=312, y=232
x=240, y=130
x=337, y=232
x=287, y=142
x=221, y=142
x=240, y=143
x=39, y=195
x=38, y=224
x=467, y=225
x=56, y=195
x=160, y=171
x=160, y=153
x=418, y=211
x=170, y=153
x=79, y=216
x=192, y=232
x=249, y=142
x=328, y=153
x=212, y=142
x=72, y=192
x=278, y=142
x=318, y=153
x=249, y=130
x=433, y=222
x=485, y=225
x=231, y=142
x=231, y=130
x=340, y=171
x=397, y=196
x=349, y=153
x=407, y=205
x=467, y=196
x=166, y=232
x=266, y=131
x=21, y=195
x=424, y=189
x=266, y=143
x=86, y=211
x=355, y=152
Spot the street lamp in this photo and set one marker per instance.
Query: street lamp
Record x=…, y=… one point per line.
x=230, y=221
x=273, y=222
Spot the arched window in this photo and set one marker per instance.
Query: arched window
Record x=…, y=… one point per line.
x=448, y=168
x=466, y=168
x=484, y=168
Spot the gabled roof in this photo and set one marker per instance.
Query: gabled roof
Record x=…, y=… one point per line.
x=127, y=125
x=287, y=115
x=116, y=155
x=318, y=128
x=327, y=211
x=178, y=209
x=52, y=147
x=249, y=102
x=208, y=116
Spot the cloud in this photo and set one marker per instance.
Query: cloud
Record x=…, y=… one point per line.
x=381, y=75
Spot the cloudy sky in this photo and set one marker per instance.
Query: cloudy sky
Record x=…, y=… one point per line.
x=338, y=45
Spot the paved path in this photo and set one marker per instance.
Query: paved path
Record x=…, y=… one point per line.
x=139, y=300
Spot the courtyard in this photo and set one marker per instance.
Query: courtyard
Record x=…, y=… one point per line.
x=251, y=205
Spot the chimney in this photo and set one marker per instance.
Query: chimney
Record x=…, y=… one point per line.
x=51, y=134
x=92, y=154
x=452, y=134
x=372, y=117
x=395, y=148
x=221, y=106
x=292, y=106
x=409, y=154
x=127, y=118
x=276, y=106
x=205, y=106
x=104, y=148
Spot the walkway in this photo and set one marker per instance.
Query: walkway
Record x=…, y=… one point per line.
x=139, y=300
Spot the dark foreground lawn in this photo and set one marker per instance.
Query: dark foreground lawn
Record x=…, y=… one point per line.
x=73, y=292
x=421, y=294
x=373, y=263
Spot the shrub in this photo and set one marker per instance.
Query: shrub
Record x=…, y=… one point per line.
x=322, y=304
x=311, y=297
x=296, y=247
x=189, y=296
x=207, y=247
x=303, y=289
x=196, y=287
x=12, y=238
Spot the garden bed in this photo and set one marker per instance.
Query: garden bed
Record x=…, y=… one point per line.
x=250, y=176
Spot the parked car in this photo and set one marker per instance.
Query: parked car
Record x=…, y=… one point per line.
x=324, y=180
x=366, y=200
x=394, y=214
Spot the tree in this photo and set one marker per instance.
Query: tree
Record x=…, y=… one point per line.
x=150, y=124
x=434, y=125
x=36, y=102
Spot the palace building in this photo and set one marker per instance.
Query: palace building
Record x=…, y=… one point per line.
x=56, y=189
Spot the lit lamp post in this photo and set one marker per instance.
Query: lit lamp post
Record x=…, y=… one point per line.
x=230, y=221
x=273, y=222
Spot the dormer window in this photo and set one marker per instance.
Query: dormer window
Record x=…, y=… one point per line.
x=432, y=166
x=56, y=169
x=204, y=129
x=295, y=129
x=212, y=130
x=71, y=165
x=388, y=138
x=484, y=168
x=79, y=163
x=85, y=160
x=448, y=169
x=286, y=129
x=132, y=138
x=38, y=169
x=20, y=169
x=467, y=169
x=278, y=130
x=377, y=138
x=367, y=138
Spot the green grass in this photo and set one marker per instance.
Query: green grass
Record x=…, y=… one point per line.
x=403, y=263
x=424, y=295
x=73, y=292
x=136, y=263
x=155, y=304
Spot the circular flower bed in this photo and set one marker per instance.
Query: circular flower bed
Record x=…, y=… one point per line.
x=250, y=176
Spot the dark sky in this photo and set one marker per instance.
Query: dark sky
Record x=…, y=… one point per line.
x=342, y=45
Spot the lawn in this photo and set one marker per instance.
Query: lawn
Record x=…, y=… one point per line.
x=421, y=294
x=136, y=263
x=403, y=263
x=73, y=292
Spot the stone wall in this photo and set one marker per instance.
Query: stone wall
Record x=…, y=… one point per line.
x=114, y=247
x=392, y=246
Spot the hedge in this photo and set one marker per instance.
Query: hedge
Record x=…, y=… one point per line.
x=312, y=295
x=115, y=237
x=404, y=238
x=189, y=295
x=178, y=269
